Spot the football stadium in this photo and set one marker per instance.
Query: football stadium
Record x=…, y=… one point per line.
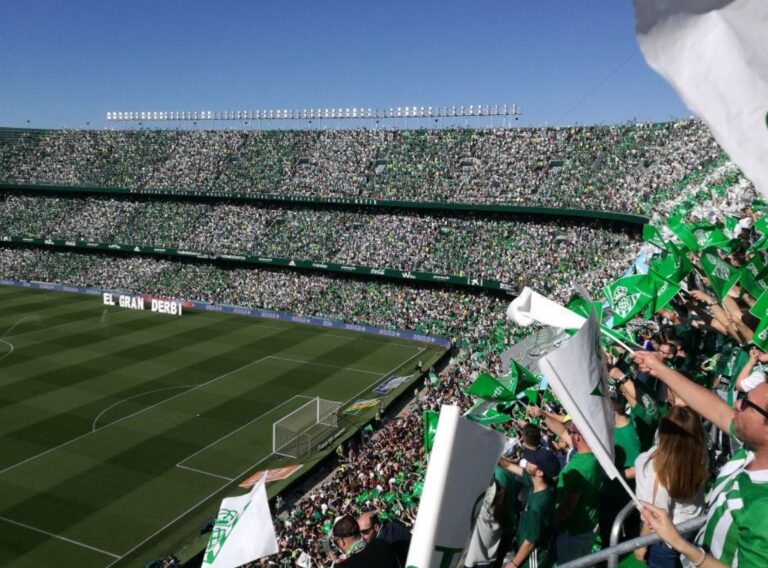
x=397, y=336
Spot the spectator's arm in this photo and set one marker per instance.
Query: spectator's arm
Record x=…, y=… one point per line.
x=746, y=370
x=510, y=466
x=522, y=554
x=658, y=520
x=703, y=401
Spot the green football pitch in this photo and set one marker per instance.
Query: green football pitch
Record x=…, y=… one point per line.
x=121, y=430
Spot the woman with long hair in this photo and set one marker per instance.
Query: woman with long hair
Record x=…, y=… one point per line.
x=671, y=476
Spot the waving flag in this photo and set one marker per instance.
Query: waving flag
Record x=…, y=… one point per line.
x=577, y=374
x=243, y=530
x=715, y=55
x=459, y=471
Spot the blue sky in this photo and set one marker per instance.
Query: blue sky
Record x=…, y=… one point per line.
x=68, y=62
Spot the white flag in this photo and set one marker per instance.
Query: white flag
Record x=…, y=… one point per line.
x=530, y=307
x=459, y=472
x=304, y=560
x=243, y=530
x=715, y=55
x=577, y=373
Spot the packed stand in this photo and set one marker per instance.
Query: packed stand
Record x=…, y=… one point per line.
x=624, y=168
x=501, y=249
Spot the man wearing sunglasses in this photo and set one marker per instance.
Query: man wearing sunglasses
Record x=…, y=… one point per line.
x=348, y=539
x=735, y=531
x=394, y=533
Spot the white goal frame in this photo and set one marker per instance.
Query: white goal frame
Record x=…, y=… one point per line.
x=290, y=434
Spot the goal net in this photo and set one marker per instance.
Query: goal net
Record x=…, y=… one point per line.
x=296, y=434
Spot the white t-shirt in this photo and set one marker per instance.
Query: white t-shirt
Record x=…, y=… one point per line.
x=645, y=477
x=754, y=379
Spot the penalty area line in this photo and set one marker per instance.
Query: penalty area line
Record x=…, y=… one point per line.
x=59, y=537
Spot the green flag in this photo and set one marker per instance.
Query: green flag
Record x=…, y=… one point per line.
x=487, y=412
x=753, y=275
x=433, y=378
x=490, y=388
x=653, y=236
x=722, y=276
x=628, y=296
x=430, y=427
x=683, y=232
x=760, y=337
x=665, y=291
x=672, y=267
x=760, y=307
x=532, y=395
x=519, y=378
x=761, y=225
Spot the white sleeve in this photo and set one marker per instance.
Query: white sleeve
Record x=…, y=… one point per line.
x=754, y=379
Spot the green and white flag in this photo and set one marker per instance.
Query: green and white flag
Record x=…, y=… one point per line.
x=577, y=374
x=664, y=292
x=243, y=530
x=672, y=267
x=652, y=235
x=488, y=387
x=684, y=232
x=434, y=380
x=628, y=296
x=753, y=276
x=714, y=53
x=722, y=275
x=487, y=413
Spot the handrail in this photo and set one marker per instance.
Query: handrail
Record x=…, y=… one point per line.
x=613, y=561
x=630, y=545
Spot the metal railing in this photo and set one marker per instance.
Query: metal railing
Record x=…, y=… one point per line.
x=612, y=554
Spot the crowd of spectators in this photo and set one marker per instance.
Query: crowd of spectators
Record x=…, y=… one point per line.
x=506, y=250
x=695, y=357
x=622, y=168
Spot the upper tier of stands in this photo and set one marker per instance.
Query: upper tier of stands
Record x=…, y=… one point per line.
x=625, y=168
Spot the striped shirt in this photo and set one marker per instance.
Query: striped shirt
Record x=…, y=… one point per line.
x=736, y=531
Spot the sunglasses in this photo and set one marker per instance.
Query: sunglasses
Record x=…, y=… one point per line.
x=746, y=403
x=366, y=531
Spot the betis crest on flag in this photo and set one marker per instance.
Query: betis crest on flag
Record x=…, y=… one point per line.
x=243, y=530
x=722, y=276
x=715, y=55
x=628, y=296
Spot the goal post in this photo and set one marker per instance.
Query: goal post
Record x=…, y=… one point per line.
x=294, y=434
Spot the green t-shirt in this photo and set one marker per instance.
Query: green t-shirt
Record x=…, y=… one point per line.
x=627, y=448
x=582, y=476
x=536, y=526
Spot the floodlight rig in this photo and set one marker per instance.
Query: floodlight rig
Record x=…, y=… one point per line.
x=364, y=114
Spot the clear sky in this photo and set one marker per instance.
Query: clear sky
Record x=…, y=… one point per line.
x=68, y=62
